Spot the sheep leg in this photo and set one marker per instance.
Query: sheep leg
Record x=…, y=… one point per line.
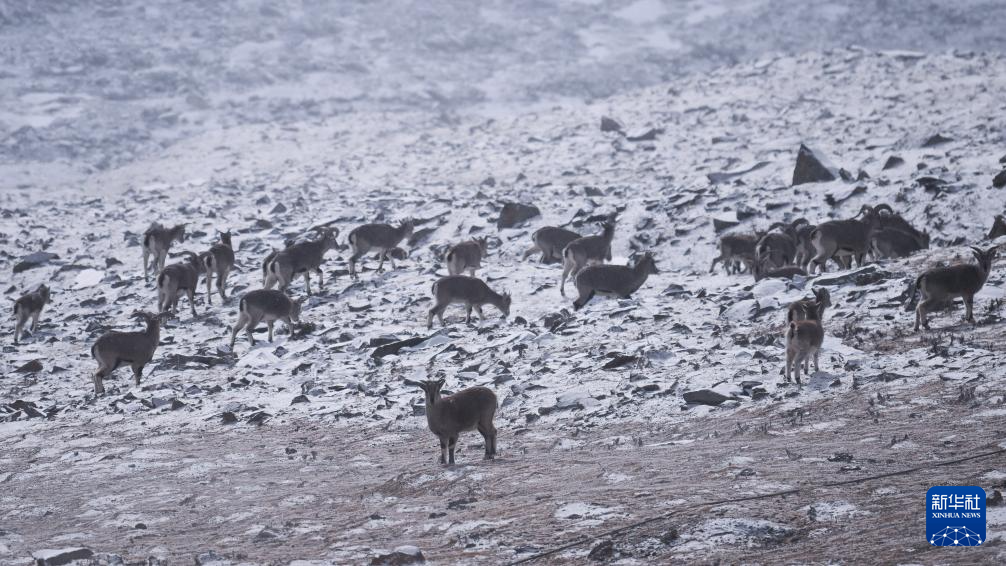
x=453, y=444
x=566, y=268
x=352, y=265
x=789, y=364
x=307, y=282
x=443, y=449
x=585, y=296
x=380, y=263
x=478, y=311
x=289, y=325
x=270, y=278
x=146, y=264
x=817, y=354
x=283, y=279
x=99, y=387
x=321, y=278
x=471, y=272
x=821, y=259
x=468, y=314
x=270, y=325
x=192, y=300
x=137, y=372
x=391, y=258
x=209, y=287
x=489, y=436
x=222, y=283
x=250, y=328
x=797, y=362
x=969, y=302
x=529, y=252
x=920, y=315
x=19, y=328
x=242, y=321
x=438, y=311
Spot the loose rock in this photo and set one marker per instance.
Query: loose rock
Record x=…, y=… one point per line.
x=999, y=181
x=61, y=556
x=400, y=556
x=810, y=168
x=935, y=140
x=705, y=397
x=31, y=261
x=892, y=162
x=514, y=213
x=610, y=125
x=30, y=367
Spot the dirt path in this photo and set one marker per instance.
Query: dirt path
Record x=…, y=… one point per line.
x=300, y=490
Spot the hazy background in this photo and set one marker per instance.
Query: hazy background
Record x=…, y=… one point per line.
x=89, y=86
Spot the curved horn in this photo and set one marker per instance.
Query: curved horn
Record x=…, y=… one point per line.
x=884, y=206
x=799, y=221
x=782, y=225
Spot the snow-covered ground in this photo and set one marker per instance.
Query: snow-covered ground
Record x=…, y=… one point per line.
x=238, y=161
x=685, y=330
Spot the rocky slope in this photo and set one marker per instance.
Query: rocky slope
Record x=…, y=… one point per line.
x=716, y=146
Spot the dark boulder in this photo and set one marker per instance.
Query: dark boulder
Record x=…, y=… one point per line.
x=866, y=275
x=394, y=347
x=810, y=168
x=610, y=125
x=892, y=162
x=935, y=140
x=721, y=224
x=61, y=556
x=33, y=366
x=31, y=261
x=514, y=213
x=999, y=181
x=649, y=135
x=998, y=228
x=399, y=557
x=705, y=397
x=602, y=552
